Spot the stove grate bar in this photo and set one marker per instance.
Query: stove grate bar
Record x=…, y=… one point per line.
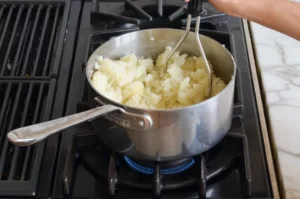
x=20, y=45
x=246, y=162
x=114, y=31
x=31, y=41
x=100, y=15
x=160, y=8
x=51, y=42
x=178, y=13
x=45, y=24
x=1, y=11
x=203, y=177
x=138, y=9
x=11, y=39
x=4, y=30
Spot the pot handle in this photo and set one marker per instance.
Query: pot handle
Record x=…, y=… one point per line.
x=30, y=135
x=128, y=120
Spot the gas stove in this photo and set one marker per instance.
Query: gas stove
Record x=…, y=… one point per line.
x=59, y=36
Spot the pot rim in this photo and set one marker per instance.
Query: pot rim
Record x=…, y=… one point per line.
x=126, y=107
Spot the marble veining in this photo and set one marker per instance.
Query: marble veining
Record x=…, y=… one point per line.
x=278, y=58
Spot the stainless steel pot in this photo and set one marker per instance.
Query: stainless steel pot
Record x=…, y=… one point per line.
x=152, y=134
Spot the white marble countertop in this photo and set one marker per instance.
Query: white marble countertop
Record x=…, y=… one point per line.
x=278, y=60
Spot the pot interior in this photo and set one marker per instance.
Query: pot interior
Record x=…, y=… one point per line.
x=152, y=42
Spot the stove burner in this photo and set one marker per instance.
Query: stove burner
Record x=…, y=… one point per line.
x=165, y=171
x=197, y=173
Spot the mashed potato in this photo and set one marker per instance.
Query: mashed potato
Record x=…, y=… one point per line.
x=137, y=82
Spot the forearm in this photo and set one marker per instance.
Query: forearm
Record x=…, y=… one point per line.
x=280, y=15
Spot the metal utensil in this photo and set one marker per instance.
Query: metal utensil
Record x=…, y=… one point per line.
x=194, y=9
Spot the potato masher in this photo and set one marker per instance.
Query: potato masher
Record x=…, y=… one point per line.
x=195, y=8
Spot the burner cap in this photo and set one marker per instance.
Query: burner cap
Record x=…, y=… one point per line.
x=166, y=171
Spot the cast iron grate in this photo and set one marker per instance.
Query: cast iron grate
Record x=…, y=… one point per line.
x=23, y=103
x=146, y=14
x=30, y=40
x=33, y=50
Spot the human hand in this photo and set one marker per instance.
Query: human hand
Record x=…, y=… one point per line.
x=265, y=12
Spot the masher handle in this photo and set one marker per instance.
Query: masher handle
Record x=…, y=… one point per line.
x=195, y=7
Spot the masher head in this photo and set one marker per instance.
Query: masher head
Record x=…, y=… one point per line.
x=195, y=8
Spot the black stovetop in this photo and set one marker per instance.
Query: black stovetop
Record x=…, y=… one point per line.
x=76, y=164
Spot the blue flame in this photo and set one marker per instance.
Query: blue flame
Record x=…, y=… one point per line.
x=146, y=170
